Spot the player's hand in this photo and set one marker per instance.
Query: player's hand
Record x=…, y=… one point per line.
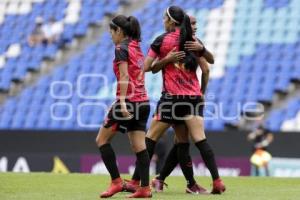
x=193, y=46
x=125, y=112
x=175, y=56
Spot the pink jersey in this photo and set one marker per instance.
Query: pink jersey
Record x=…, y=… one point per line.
x=176, y=79
x=129, y=51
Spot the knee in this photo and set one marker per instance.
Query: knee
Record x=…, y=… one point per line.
x=100, y=141
x=134, y=148
x=154, y=134
x=97, y=141
x=198, y=137
x=138, y=147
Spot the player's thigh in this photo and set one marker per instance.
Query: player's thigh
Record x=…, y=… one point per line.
x=195, y=125
x=137, y=140
x=157, y=129
x=181, y=133
x=104, y=135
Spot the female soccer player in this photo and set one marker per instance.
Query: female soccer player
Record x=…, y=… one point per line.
x=131, y=110
x=171, y=159
x=181, y=97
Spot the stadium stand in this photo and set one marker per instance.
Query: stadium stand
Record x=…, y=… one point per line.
x=17, y=22
x=256, y=45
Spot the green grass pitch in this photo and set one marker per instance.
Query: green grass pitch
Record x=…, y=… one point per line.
x=46, y=186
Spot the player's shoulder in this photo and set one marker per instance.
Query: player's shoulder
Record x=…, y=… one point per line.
x=123, y=45
x=161, y=36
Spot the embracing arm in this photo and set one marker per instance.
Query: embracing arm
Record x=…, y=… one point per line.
x=124, y=81
x=124, y=78
x=208, y=56
x=197, y=46
x=205, y=73
x=155, y=65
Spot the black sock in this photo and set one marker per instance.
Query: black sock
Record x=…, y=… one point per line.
x=185, y=162
x=109, y=159
x=143, y=163
x=208, y=158
x=169, y=165
x=150, y=145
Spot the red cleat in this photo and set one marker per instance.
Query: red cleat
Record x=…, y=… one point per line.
x=141, y=192
x=131, y=185
x=158, y=185
x=196, y=189
x=218, y=187
x=115, y=187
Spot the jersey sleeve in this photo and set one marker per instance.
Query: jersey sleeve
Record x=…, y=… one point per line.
x=121, y=54
x=154, y=50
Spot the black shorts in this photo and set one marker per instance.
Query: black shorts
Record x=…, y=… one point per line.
x=173, y=109
x=139, y=110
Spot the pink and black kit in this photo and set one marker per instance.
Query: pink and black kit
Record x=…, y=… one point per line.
x=181, y=93
x=137, y=102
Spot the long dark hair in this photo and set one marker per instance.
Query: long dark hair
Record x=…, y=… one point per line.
x=180, y=18
x=129, y=25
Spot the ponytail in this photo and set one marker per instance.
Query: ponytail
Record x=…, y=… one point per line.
x=134, y=28
x=180, y=18
x=186, y=34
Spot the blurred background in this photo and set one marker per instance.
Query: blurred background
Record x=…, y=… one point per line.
x=56, y=82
